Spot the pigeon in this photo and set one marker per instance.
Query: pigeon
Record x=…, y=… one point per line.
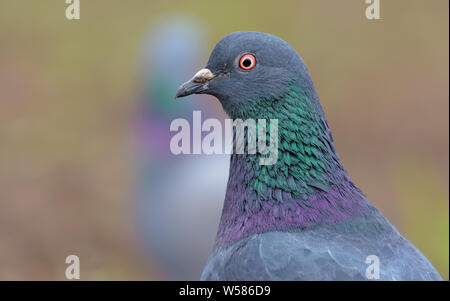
x=301, y=218
x=155, y=201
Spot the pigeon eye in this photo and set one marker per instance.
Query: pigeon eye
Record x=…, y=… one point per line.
x=247, y=62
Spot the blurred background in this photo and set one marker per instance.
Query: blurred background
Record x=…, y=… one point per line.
x=86, y=105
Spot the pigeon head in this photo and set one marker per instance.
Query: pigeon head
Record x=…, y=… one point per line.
x=245, y=68
x=259, y=76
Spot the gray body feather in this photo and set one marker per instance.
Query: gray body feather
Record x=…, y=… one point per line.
x=322, y=253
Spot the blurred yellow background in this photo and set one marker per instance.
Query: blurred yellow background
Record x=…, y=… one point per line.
x=67, y=99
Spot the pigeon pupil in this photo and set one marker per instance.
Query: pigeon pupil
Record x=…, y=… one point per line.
x=247, y=62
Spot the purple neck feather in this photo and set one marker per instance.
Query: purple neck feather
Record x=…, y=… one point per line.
x=306, y=187
x=245, y=213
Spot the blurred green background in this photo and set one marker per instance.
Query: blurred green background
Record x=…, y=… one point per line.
x=66, y=104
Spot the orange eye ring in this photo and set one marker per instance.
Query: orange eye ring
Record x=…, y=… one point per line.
x=247, y=62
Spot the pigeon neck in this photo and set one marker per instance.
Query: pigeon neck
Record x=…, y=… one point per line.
x=305, y=187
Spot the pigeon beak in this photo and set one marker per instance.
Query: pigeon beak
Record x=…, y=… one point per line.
x=198, y=84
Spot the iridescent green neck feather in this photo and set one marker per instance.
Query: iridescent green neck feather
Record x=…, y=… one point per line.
x=305, y=187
